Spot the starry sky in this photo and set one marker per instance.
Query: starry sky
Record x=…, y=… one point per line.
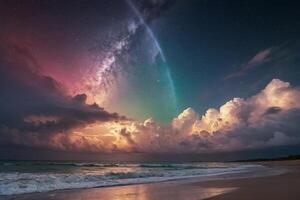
x=149, y=76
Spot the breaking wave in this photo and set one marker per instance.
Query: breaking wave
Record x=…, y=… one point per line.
x=89, y=175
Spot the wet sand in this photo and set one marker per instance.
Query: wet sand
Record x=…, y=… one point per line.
x=224, y=187
x=281, y=187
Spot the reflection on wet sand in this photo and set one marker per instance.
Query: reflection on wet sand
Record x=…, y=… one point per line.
x=162, y=191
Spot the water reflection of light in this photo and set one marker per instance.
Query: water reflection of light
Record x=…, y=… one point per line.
x=170, y=190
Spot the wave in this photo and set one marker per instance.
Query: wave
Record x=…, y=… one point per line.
x=18, y=183
x=70, y=164
x=87, y=164
x=143, y=165
x=185, y=166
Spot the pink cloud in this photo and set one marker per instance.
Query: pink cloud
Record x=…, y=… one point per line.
x=260, y=58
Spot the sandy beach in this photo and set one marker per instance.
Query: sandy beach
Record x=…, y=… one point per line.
x=285, y=186
x=231, y=186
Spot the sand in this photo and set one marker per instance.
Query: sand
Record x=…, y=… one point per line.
x=281, y=187
x=226, y=187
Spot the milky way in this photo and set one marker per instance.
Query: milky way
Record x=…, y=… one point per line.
x=161, y=53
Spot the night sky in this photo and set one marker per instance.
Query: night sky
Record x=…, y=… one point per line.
x=149, y=76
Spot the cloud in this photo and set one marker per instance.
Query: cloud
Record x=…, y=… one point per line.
x=275, y=56
x=34, y=106
x=36, y=112
x=260, y=58
x=267, y=119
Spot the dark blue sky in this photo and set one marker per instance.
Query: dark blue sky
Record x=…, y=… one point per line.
x=205, y=41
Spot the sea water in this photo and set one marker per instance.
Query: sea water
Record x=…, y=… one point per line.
x=19, y=177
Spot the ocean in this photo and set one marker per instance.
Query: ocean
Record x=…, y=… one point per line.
x=19, y=177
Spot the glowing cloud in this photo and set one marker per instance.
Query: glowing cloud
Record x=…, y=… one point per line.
x=269, y=118
x=266, y=119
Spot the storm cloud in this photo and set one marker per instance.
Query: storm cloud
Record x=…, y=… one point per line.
x=34, y=106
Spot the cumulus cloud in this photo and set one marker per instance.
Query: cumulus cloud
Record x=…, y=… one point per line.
x=261, y=121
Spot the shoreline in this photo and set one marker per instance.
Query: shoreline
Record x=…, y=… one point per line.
x=236, y=170
x=189, y=188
